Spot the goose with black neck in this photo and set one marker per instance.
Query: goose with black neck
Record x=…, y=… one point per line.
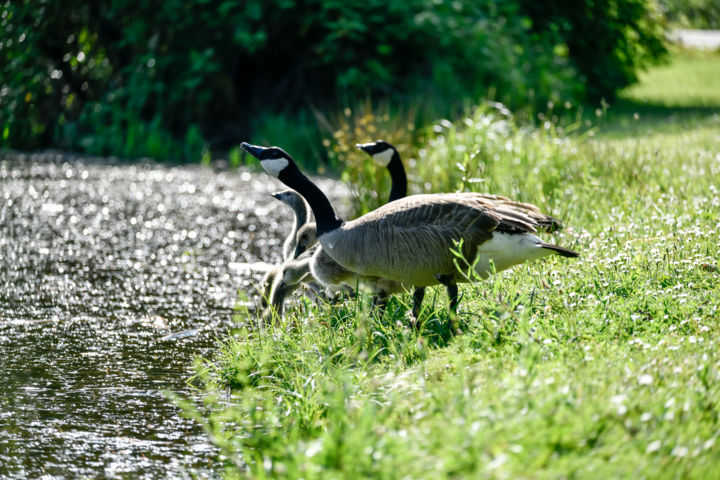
x=409, y=241
x=387, y=155
x=323, y=267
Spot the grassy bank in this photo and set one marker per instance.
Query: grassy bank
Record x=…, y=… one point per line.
x=607, y=366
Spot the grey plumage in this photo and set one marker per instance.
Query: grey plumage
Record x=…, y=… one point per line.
x=301, y=214
x=409, y=241
x=457, y=214
x=285, y=280
x=333, y=275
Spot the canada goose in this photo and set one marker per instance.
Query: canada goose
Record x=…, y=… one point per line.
x=409, y=241
x=301, y=211
x=326, y=270
x=286, y=280
x=385, y=153
x=323, y=267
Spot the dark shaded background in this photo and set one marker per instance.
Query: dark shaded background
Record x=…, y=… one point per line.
x=170, y=79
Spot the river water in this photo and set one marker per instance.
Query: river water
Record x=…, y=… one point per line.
x=114, y=278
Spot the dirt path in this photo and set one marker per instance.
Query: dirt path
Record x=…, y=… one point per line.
x=702, y=39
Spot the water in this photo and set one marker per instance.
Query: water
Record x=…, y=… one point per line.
x=113, y=279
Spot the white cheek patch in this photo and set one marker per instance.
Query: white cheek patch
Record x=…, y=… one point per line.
x=384, y=157
x=274, y=166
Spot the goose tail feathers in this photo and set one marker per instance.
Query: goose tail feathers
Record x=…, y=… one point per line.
x=565, y=252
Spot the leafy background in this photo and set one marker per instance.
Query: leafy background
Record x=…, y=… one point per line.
x=175, y=79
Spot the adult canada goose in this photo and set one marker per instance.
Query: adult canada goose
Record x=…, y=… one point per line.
x=409, y=241
x=385, y=153
x=323, y=267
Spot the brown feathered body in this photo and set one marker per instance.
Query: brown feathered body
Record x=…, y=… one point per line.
x=409, y=241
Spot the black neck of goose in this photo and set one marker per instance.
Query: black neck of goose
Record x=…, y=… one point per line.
x=398, y=178
x=325, y=217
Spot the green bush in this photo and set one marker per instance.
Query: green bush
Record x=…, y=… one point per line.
x=138, y=78
x=607, y=40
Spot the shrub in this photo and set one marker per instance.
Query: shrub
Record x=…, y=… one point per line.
x=607, y=40
x=135, y=78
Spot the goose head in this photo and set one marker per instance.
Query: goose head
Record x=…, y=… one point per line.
x=274, y=160
x=386, y=155
x=306, y=238
x=278, y=163
x=380, y=151
x=285, y=196
x=289, y=197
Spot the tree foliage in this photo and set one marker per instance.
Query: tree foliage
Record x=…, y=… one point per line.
x=607, y=40
x=131, y=78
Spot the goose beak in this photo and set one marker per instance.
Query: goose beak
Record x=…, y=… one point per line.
x=253, y=150
x=366, y=147
x=275, y=195
x=299, y=249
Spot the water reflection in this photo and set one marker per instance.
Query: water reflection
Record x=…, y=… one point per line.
x=112, y=279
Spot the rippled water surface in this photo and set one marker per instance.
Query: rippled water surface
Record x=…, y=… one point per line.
x=113, y=278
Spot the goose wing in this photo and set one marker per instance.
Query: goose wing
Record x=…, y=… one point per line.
x=532, y=212
x=409, y=240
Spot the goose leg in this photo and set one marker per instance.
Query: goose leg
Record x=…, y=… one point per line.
x=452, y=290
x=418, y=296
x=379, y=304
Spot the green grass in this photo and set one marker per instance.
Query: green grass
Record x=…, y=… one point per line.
x=690, y=80
x=680, y=94
x=604, y=367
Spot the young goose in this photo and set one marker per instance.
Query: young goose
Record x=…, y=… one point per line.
x=286, y=280
x=323, y=267
x=265, y=287
x=409, y=241
x=301, y=211
x=326, y=270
